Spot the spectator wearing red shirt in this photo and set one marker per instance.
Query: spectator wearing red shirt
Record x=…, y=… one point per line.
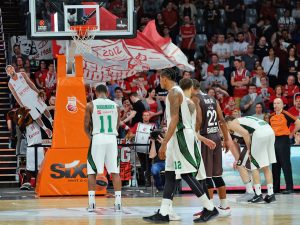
x=170, y=17
x=211, y=92
x=140, y=87
x=290, y=89
x=222, y=97
x=124, y=84
x=278, y=94
x=187, y=34
x=239, y=80
x=295, y=111
x=215, y=63
x=40, y=75
x=154, y=79
x=230, y=107
x=153, y=107
x=265, y=91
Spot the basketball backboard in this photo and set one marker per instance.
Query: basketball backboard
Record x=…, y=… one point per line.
x=52, y=19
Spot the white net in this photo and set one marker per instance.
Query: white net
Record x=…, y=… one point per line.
x=82, y=38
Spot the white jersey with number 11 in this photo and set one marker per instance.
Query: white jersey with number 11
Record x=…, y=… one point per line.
x=105, y=116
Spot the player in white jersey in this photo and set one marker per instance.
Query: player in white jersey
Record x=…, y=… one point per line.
x=27, y=95
x=101, y=122
x=259, y=138
x=181, y=152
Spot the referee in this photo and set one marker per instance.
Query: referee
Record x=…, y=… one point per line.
x=280, y=121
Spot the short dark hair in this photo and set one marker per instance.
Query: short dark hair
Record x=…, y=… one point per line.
x=185, y=83
x=252, y=85
x=259, y=103
x=118, y=89
x=240, y=33
x=134, y=94
x=169, y=73
x=196, y=84
x=101, y=88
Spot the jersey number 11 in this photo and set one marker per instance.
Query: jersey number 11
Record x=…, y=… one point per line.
x=103, y=122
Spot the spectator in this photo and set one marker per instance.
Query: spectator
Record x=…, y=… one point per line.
x=230, y=41
x=125, y=86
x=259, y=111
x=17, y=51
x=288, y=22
x=233, y=29
x=170, y=18
x=222, y=97
x=280, y=121
x=201, y=69
x=119, y=97
x=295, y=111
x=265, y=91
x=153, y=107
x=187, y=34
x=230, y=107
x=211, y=92
x=278, y=94
x=158, y=165
x=267, y=29
x=268, y=10
x=296, y=13
x=20, y=64
x=160, y=24
x=50, y=80
x=41, y=74
x=278, y=34
x=248, y=102
x=186, y=74
x=214, y=64
x=271, y=67
x=297, y=138
x=216, y=80
x=250, y=58
x=239, y=80
x=138, y=107
x=235, y=11
x=256, y=75
x=222, y=50
x=151, y=7
x=249, y=36
x=298, y=78
x=143, y=157
x=140, y=86
x=187, y=9
x=211, y=16
x=290, y=89
x=261, y=50
x=126, y=118
x=240, y=47
x=292, y=63
x=209, y=45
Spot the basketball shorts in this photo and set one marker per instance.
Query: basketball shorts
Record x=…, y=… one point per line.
x=212, y=158
x=30, y=158
x=103, y=150
x=183, y=153
x=36, y=105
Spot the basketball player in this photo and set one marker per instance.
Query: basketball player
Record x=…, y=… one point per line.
x=101, y=122
x=259, y=138
x=212, y=118
x=181, y=152
x=27, y=95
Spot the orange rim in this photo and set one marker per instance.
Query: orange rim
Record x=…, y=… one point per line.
x=82, y=30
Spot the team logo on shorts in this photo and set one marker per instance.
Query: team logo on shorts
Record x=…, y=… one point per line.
x=71, y=105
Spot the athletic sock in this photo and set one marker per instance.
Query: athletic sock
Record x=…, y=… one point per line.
x=206, y=203
x=270, y=189
x=224, y=203
x=165, y=206
x=118, y=197
x=249, y=188
x=257, y=188
x=44, y=127
x=92, y=198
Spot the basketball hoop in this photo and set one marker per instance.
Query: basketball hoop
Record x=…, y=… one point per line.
x=82, y=37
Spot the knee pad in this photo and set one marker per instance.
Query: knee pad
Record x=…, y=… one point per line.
x=219, y=182
x=209, y=183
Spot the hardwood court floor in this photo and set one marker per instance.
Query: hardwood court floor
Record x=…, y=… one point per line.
x=71, y=210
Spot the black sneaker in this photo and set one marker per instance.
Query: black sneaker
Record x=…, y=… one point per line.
x=207, y=215
x=270, y=198
x=157, y=218
x=257, y=199
x=287, y=192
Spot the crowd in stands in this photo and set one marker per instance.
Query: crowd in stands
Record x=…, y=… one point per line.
x=245, y=53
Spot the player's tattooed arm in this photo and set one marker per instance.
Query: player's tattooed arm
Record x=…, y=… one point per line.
x=87, y=119
x=196, y=101
x=175, y=99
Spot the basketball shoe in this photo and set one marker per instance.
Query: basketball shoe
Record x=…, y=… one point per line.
x=257, y=199
x=207, y=215
x=270, y=198
x=223, y=212
x=173, y=216
x=157, y=218
x=91, y=208
x=118, y=208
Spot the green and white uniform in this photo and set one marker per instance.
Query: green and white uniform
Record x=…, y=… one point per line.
x=183, y=155
x=103, y=147
x=262, y=141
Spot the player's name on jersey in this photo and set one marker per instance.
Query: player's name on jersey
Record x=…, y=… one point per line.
x=211, y=130
x=105, y=106
x=208, y=101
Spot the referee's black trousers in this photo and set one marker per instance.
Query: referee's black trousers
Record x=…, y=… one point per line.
x=283, y=157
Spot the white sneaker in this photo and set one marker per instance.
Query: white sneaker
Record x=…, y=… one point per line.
x=118, y=208
x=223, y=212
x=173, y=216
x=245, y=197
x=91, y=208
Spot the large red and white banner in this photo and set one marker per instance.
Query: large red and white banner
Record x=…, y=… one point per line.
x=118, y=59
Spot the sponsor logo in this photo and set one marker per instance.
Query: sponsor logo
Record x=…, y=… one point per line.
x=69, y=170
x=71, y=105
x=42, y=25
x=122, y=24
